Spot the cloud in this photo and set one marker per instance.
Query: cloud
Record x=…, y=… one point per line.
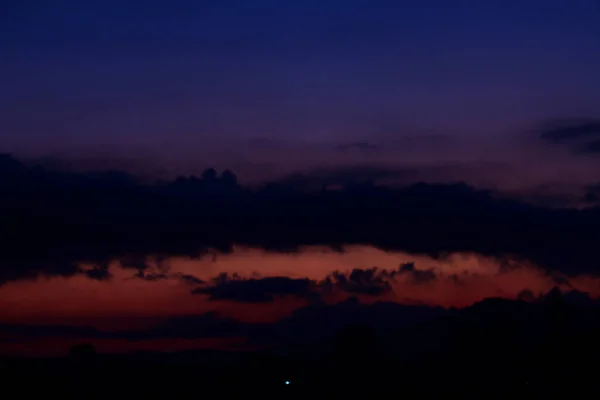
x=368, y=282
x=191, y=279
x=581, y=135
x=418, y=276
x=159, y=272
x=567, y=130
x=150, y=277
x=372, y=281
x=254, y=290
x=591, y=147
x=55, y=222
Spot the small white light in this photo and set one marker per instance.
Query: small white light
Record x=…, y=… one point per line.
x=287, y=382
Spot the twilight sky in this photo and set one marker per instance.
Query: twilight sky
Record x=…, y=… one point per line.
x=499, y=95
x=270, y=87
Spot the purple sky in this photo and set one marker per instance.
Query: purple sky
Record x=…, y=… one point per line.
x=457, y=89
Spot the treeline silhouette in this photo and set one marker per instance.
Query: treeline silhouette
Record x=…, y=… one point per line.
x=53, y=220
x=494, y=349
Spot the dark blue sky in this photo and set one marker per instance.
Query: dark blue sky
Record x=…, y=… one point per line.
x=188, y=83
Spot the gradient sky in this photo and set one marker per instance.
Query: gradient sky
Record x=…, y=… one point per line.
x=181, y=85
x=429, y=90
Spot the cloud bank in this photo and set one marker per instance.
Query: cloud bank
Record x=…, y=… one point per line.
x=53, y=222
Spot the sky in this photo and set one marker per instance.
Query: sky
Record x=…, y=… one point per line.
x=269, y=88
x=502, y=96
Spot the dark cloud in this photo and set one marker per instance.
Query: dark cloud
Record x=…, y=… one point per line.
x=581, y=135
x=191, y=279
x=418, y=276
x=372, y=281
x=150, y=277
x=591, y=147
x=154, y=274
x=135, y=262
x=253, y=290
x=569, y=130
x=100, y=273
x=52, y=221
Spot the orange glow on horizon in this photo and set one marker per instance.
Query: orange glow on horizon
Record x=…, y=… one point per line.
x=124, y=302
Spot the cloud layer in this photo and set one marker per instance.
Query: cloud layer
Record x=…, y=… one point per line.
x=54, y=221
x=252, y=298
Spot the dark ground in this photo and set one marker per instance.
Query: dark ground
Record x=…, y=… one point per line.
x=477, y=373
x=494, y=349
